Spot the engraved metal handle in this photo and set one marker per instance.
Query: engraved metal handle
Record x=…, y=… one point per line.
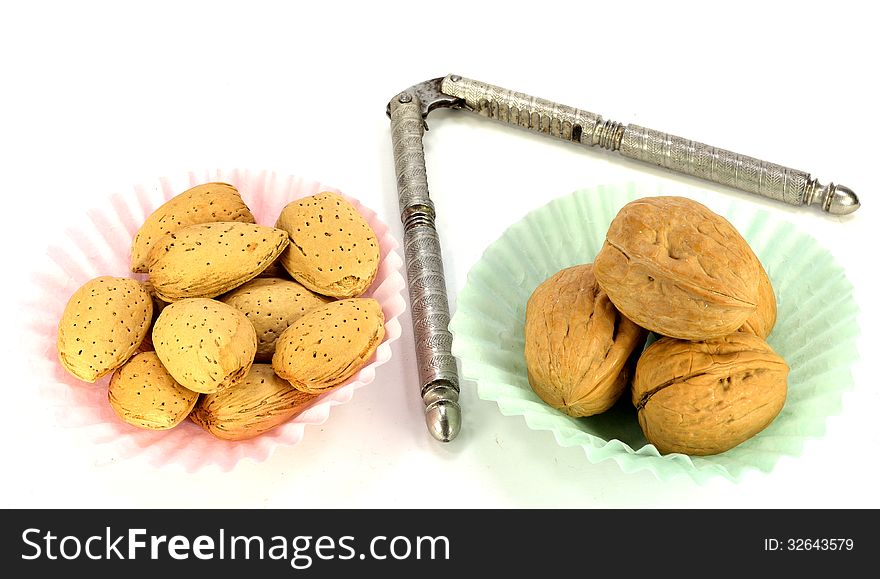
x=429, y=304
x=669, y=151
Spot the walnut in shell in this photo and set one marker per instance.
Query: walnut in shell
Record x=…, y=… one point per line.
x=577, y=345
x=702, y=398
x=673, y=266
x=762, y=321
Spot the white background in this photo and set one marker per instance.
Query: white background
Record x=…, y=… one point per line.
x=95, y=97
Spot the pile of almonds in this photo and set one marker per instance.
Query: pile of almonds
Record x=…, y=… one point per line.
x=238, y=326
x=670, y=266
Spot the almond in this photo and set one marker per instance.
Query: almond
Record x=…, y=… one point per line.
x=206, y=345
x=103, y=324
x=333, y=251
x=209, y=259
x=144, y=394
x=258, y=403
x=326, y=346
x=271, y=305
x=204, y=203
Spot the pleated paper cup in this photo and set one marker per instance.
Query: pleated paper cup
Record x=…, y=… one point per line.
x=815, y=331
x=99, y=243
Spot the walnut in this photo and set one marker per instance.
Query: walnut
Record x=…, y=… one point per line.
x=673, y=266
x=579, y=350
x=702, y=398
x=762, y=321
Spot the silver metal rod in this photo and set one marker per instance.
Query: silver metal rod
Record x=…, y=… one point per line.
x=429, y=304
x=647, y=145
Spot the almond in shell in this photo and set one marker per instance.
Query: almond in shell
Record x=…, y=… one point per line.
x=102, y=326
x=272, y=304
x=204, y=344
x=209, y=259
x=144, y=394
x=326, y=346
x=260, y=402
x=333, y=250
x=205, y=203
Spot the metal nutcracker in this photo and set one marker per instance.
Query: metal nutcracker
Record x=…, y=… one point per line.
x=427, y=287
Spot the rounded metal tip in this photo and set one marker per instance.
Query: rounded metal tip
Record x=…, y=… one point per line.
x=842, y=201
x=444, y=419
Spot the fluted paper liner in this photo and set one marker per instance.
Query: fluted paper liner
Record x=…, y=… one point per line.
x=99, y=243
x=815, y=332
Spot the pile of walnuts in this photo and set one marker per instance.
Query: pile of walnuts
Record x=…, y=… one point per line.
x=670, y=266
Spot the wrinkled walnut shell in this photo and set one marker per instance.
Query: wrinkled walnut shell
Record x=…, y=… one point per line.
x=676, y=268
x=702, y=398
x=577, y=345
x=762, y=321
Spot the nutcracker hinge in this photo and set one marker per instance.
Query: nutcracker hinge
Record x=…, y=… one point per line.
x=430, y=96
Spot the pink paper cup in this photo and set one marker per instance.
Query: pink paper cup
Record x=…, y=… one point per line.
x=100, y=243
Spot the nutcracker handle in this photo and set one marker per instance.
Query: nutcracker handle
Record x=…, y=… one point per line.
x=429, y=304
x=650, y=146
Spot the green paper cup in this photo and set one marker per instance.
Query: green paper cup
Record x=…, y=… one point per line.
x=815, y=331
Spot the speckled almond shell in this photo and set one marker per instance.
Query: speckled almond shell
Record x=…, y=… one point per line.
x=333, y=251
x=210, y=259
x=703, y=398
x=144, y=394
x=674, y=267
x=204, y=203
x=272, y=304
x=205, y=344
x=103, y=324
x=258, y=403
x=328, y=345
x=580, y=351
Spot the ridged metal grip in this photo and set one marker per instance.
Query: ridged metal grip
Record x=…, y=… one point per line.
x=714, y=164
x=429, y=304
x=647, y=145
